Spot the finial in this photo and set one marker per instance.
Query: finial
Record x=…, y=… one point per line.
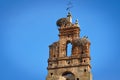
x=69, y=17
x=69, y=14
x=76, y=22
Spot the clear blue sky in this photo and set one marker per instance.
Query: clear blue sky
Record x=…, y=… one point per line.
x=28, y=27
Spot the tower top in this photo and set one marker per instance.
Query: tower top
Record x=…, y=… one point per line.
x=69, y=14
x=75, y=66
x=69, y=57
x=67, y=21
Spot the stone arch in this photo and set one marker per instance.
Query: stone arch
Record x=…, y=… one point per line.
x=69, y=48
x=68, y=75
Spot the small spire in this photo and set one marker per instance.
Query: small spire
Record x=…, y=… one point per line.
x=69, y=14
x=69, y=17
x=76, y=22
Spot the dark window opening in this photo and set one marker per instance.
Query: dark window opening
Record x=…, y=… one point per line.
x=84, y=60
x=68, y=62
x=69, y=49
x=82, y=52
x=85, y=70
x=50, y=64
x=77, y=78
x=51, y=74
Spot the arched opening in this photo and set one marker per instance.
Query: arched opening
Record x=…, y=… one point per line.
x=68, y=49
x=68, y=76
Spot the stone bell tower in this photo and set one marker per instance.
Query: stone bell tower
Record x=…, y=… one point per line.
x=77, y=65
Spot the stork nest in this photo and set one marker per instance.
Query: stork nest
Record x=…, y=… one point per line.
x=62, y=21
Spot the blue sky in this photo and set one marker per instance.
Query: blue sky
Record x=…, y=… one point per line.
x=28, y=27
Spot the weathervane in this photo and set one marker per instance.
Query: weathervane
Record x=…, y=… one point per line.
x=69, y=6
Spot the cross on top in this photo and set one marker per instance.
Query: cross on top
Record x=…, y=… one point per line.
x=69, y=5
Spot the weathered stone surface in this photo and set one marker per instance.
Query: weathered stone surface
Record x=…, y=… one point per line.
x=74, y=67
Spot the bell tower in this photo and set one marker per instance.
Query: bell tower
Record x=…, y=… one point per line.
x=77, y=65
